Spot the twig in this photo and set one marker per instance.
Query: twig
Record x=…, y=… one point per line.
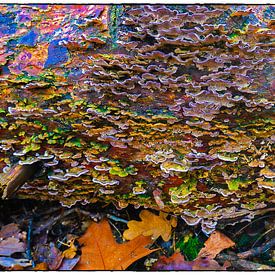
x=240, y=264
x=116, y=219
x=116, y=229
x=54, y=220
x=28, y=250
x=257, y=219
x=271, y=229
x=257, y=250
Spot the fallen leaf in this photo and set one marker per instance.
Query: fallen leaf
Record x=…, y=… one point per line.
x=54, y=258
x=215, y=244
x=41, y=266
x=177, y=262
x=150, y=225
x=174, y=262
x=9, y=230
x=205, y=259
x=71, y=251
x=10, y=262
x=11, y=240
x=69, y=264
x=100, y=251
x=11, y=245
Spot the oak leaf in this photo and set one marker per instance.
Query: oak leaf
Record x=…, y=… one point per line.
x=100, y=251
x=150, y=225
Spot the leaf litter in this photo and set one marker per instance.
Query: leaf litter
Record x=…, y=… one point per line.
x=156, y=242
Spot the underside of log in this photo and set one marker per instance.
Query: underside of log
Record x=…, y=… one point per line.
x=163, y=106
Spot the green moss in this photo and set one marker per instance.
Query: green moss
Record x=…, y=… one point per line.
x=190, y=246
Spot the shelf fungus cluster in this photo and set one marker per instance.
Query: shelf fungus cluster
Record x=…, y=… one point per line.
x=163, y=106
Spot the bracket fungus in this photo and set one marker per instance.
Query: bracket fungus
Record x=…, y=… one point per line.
x=136, y=107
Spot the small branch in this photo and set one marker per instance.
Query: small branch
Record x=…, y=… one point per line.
x=240, y=264
x=29, y=235
x=54, y=220
x=257, y=250
x=116, y=219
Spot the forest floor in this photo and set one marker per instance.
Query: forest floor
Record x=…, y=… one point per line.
x=46, y=236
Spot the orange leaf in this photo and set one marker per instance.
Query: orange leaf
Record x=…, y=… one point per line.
x=150, y=225
x=41, y=266
x=100, y=251
x=215, y=244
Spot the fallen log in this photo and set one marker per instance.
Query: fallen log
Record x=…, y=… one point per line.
x=163, y=106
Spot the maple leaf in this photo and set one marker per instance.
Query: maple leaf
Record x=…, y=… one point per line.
x=150, y=225
x=205, y=260
x=100, y=251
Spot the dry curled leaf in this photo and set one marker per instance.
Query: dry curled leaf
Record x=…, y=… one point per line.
x=54, y=258
x=41, y=266
x=205, y=260
x=215, y=244
x=10, y=262
x=177, y=262
x=11, y=240
x=150, y=225
x=9, y=230
x=11, y=245
x=69, y=264
x=71, y=251
x=100, y=251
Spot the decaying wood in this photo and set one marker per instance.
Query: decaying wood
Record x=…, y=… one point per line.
x=163, y=106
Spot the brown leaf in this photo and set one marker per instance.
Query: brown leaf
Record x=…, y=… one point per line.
x=11, y=245
x=55, y=257
x=150, y=225
x=69, y=264
x=177, y=262
x=100, y=251
x=215, y=244
x=9, y=230
x=11, y=240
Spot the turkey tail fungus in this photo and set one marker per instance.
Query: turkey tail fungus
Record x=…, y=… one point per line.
x=163, y=106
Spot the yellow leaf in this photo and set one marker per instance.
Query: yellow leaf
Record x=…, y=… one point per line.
x=100, y=251
x=150, y=225
x=71, y=251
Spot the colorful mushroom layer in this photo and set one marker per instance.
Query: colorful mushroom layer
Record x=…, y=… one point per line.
x=168, y=107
